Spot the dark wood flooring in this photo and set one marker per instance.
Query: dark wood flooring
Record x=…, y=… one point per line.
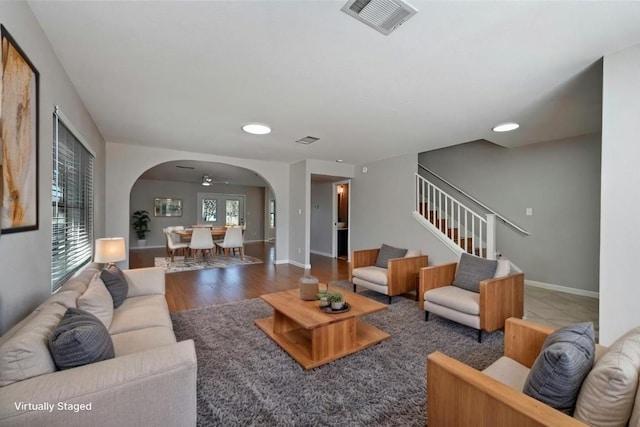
x=199, y=288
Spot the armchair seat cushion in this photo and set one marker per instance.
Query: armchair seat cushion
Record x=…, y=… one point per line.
x=508, y=372
x=371, y=274
x=455, y=298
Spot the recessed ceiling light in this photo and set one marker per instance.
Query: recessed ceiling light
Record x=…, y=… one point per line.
x=505, y=127
x=339, y=160
x=256, y=129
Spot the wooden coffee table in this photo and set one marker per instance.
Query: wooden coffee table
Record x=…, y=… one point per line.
x=313, y=337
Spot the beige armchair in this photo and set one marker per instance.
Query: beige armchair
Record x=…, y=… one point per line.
x=499, y=298
x=459, y=395
x=398, y=278
x=462, y=396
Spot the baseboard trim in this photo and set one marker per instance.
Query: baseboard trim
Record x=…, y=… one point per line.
x=296, y=263
x=321, y=253
x=565, y=289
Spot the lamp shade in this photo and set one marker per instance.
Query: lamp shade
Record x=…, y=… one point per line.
x=111, y=249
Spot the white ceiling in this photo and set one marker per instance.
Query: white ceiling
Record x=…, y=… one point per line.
x=187, y=75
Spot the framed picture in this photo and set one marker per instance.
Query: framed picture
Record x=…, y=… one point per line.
x=19, y=98
x=167, y=207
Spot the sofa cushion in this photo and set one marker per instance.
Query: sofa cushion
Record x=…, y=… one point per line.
x=388, y=252
x=140, y=313
x=79, y=339
x=371, y=274
x=472, y=270
x=565, y=360
x=26, y=354
x=607, y=394
x=97, y=301
x=455, y=298
x=116, y=283
x=142, y=340
x=67, y=298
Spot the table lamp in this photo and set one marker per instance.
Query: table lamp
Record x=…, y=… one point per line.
x=110, y=250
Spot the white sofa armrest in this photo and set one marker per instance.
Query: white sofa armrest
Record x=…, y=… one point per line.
x=155, y=387
x=145, y=281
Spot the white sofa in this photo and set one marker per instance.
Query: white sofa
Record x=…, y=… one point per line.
x=150, y=382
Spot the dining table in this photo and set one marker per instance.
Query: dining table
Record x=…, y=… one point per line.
x=216, y=233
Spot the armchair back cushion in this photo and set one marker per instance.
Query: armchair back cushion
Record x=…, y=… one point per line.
x=472, y=270
x=388, y=252
x=607, y=394
x=563, y=363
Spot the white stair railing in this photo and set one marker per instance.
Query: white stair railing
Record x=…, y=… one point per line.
x=469, y=231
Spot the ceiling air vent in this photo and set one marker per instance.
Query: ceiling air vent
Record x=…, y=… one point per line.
x=307, y=140
x=381, y=15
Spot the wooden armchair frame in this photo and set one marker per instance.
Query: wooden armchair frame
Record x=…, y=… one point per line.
x=500, y=298
x=401, y=272
x=460, y=395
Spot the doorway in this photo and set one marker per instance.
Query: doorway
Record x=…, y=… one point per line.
x=342, y=220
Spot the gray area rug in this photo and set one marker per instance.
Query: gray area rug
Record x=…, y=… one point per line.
x=245, y=379
x=220, y=261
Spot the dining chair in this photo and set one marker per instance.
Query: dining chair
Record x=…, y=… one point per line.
x=232, y=240
x=202, y=241
x=173, y=243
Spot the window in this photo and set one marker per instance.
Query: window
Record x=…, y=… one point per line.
x=209, y=213
x=72, y=204
x=272, y=213
x=233, y=212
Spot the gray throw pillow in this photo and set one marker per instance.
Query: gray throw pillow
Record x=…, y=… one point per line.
x=472, y=270
x=79, y=339
x=565, y=360
x=116, y=284
x=388, y=252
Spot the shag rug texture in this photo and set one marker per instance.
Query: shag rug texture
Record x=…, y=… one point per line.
x=220, y=261
x=246, y=379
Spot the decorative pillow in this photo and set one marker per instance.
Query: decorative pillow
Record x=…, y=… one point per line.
x=563, y=363
x=472, y=270
x=607, y=394
x=79, y=339
x=116, y=284
x=388, y=252
x=97, y=301
x=25, y=353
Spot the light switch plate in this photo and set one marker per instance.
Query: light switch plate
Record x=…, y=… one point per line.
x=529, y=211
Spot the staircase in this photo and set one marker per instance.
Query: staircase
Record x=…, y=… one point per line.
x=459, y=227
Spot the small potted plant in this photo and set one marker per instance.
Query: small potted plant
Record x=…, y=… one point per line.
x=336, y=300
x=140, y=221
x=322, y=296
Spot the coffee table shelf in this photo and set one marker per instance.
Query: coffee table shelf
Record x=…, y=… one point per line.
x=313, y=337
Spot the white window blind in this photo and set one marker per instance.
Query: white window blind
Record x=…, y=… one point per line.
x=72, y=204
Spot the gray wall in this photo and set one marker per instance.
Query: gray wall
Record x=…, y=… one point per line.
x=321, y=217
x=25, y=257
x=559, y=180
x=620, y=239
x=382, y=200
x=299, y=199
x=145, y=191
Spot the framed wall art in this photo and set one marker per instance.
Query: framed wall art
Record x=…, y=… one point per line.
x=19, y=98
x=167, y=207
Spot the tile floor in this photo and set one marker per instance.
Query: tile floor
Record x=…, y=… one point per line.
x=559, y=308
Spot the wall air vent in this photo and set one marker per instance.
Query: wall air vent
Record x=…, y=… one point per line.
x=382, y=15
